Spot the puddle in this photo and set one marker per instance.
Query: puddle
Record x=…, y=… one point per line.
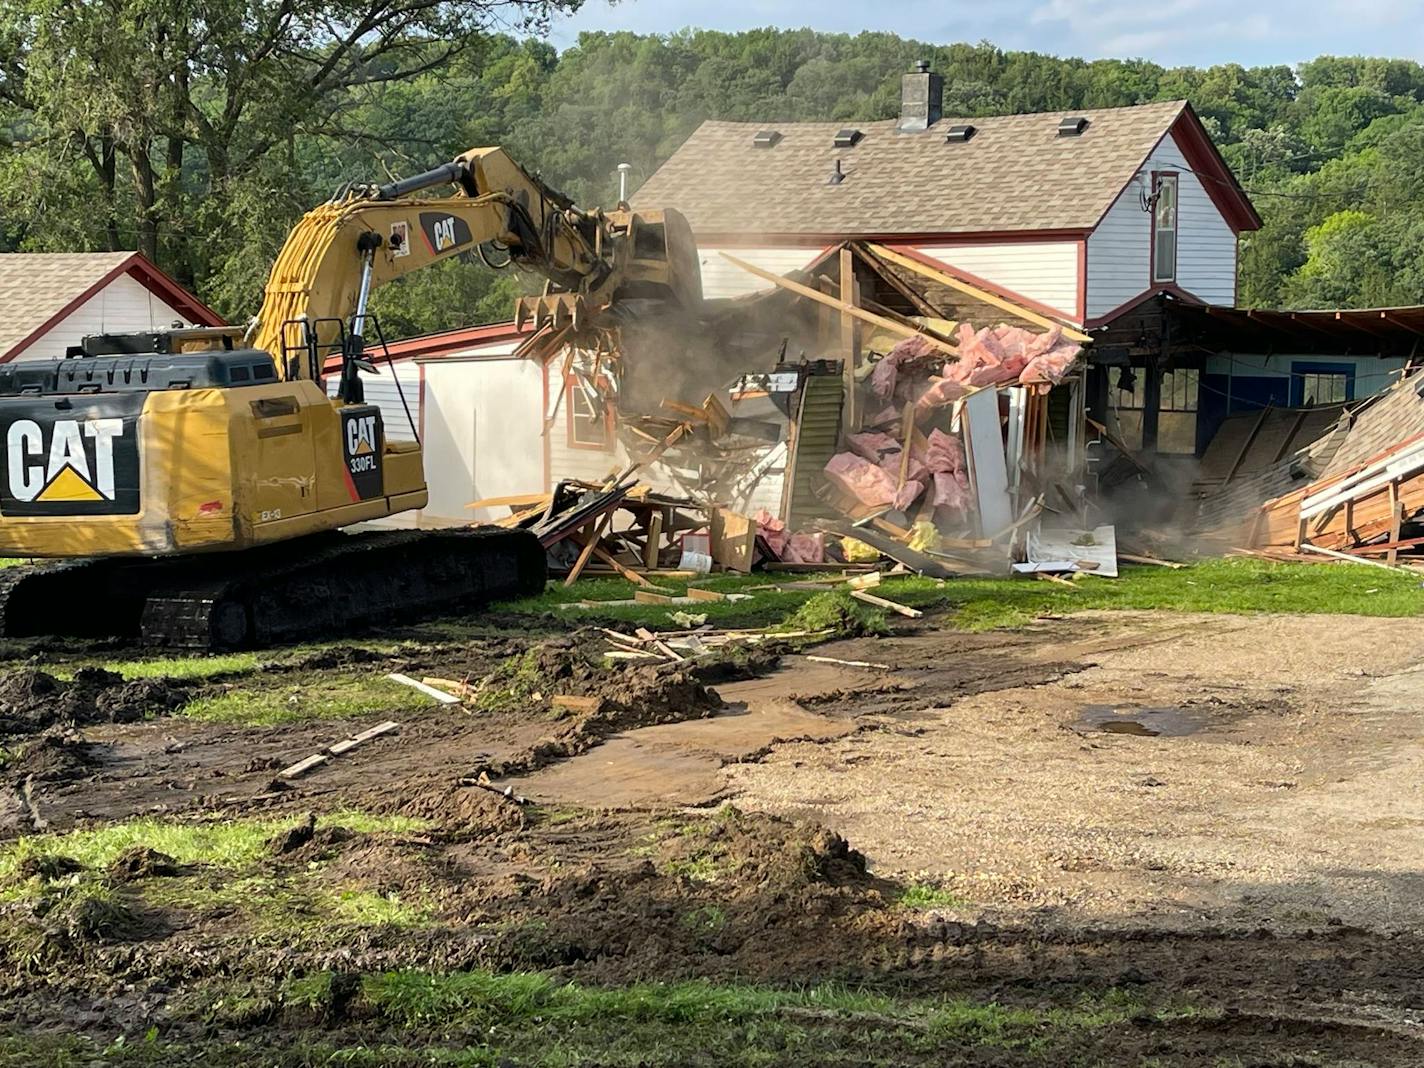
x=1143, y=722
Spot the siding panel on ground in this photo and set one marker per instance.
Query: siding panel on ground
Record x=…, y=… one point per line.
x=1042, y=271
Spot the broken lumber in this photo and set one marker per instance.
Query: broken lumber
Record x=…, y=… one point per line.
x=915, y=560
x=840, y=305
x=652, y=597
x=576, y=703
x=429, y=691
x=348, y=744
x=705, y=595
x=1131, y=559
x=1309, y=548
x=944, y=278
x=847, y=663
x=889, y=606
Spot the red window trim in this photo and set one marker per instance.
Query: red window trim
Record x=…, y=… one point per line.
x=1153, y=282
x=571, y=384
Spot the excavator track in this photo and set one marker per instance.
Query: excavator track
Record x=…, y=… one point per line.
x=323, y=586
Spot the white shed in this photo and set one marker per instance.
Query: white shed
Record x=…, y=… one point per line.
x=53, y=299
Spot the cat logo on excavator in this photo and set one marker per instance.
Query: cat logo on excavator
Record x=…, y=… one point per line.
x=361, y=445
x=73, y=463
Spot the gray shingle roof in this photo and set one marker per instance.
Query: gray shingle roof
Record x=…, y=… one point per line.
x=1014, y=174
x=35, y=286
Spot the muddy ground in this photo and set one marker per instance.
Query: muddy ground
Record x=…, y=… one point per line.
x=1214, y=820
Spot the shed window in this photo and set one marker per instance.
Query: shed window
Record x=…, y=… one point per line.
x=1177, y=421
x=590, y=417
x=1164, y=229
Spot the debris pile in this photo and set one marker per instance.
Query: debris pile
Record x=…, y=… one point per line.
x=898, y=436
x=1367, y=505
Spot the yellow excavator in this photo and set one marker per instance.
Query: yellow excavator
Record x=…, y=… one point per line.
x=193, y=486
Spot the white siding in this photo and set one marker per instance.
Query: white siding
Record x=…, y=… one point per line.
x=385, y=391
x=1043, y=271
x=722, y=278
x=1119, y=264
x=481, y=435
x=125, y=304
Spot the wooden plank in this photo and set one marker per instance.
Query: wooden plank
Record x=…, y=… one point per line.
x=628, y=573
x=593, y=534
x=1396, y=519
x=513, y=500
x=974, y=291
x=850, y=335
x=1131, y=559
x=1307, y=547
x=733, y=539
x=832, y=302
x=654, y=540
x=889, y=606
x=301, y=767
x=911, y=558
x=649, y=597
x=576, y=703
x=915, y=300
x=348, y=744
x=705, y=595
x=429, y=691
x=907, y=427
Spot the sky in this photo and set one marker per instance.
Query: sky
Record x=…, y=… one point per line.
x=1171, y=32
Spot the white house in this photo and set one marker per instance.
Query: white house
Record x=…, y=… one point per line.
x=1075, y=214
x=52, y=299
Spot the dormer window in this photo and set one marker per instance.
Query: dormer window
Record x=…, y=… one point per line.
x=1164, y=228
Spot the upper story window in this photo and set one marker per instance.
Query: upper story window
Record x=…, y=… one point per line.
x=1164, y=228
x=590, y=418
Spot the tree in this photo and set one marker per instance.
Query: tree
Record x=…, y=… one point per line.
x=183, y=123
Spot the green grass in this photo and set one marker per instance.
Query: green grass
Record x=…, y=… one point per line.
x=928, y=896
x=231, y=844
x=419, y=1018
x=335, y=696
x=1231, y=585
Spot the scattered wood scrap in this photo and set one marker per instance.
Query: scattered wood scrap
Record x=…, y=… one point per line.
x=888, y=605
x=429, y=691
x=316, y=760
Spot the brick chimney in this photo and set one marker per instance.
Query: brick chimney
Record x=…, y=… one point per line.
x=921, y=99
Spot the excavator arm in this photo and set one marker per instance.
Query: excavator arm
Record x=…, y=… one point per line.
x=317, y=296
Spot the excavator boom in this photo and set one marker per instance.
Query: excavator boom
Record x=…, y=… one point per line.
x=194, y=490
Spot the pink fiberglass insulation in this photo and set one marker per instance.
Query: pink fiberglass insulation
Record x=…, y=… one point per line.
x=908, y=494
x=805, y=549
x=950, y=493
x=873, y=446
x=945, y=452
x=772, y=531
x=886, y=373
x=863, y=480
x=941, y=391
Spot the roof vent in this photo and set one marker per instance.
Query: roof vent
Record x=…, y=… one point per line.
x=766, y=138
x=848, y=138
x=960, y=133
x=1071, y=125
x=837, y=175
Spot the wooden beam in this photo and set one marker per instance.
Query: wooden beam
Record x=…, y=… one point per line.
x=978, y=294
x=832, y=302
x=915, y=300
x=593, y=533
x=850, y=335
